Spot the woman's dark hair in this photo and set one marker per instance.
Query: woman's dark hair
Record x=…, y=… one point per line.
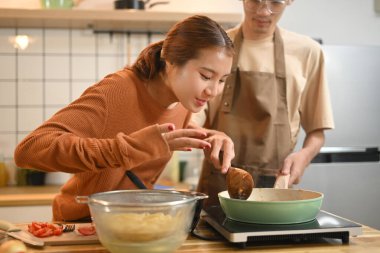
x=182, y=43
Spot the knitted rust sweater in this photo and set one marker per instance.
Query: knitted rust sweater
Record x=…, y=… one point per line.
x=111, y=128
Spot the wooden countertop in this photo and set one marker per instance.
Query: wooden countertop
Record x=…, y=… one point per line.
x=368, y=242
x=28, y=195
x=44, y=195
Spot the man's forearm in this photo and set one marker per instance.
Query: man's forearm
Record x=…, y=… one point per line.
x=313, y=143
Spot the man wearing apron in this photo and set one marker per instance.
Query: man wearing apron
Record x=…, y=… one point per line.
x=265, y=101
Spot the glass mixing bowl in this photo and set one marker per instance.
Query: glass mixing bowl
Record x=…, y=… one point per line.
x=144, y=221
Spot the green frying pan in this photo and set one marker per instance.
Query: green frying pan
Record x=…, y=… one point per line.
x=273, y=206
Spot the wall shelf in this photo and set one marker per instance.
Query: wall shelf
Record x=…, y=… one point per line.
x=103, y=20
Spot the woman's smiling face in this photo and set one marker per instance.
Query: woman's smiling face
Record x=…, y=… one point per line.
x=200, y=79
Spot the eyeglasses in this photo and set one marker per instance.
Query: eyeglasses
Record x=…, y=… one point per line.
x=273, y=6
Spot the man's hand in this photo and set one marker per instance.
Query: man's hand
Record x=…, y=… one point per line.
x=296, y=163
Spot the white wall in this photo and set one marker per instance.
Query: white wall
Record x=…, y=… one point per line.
x=335, y=21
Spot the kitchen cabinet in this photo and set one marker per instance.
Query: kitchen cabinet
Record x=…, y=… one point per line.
x=103, y=20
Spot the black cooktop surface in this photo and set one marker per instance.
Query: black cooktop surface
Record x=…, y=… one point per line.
x=326, y=225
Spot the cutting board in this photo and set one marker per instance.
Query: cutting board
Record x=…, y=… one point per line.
x=69, y=238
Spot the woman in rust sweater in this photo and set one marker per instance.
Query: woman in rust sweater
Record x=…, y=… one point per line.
x=134, y=119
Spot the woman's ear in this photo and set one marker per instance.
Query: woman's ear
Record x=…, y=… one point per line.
x=168, y=68
x=168, y=65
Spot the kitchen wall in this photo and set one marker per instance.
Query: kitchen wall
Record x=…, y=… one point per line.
x=60, y=63
x=54, y=70
x=336, y=22
x=57, y=66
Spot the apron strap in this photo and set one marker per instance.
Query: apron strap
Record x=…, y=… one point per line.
x=279, y=55
x=280, y=71
x=229, y=89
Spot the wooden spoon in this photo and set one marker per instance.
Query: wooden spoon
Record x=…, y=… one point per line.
x=282, y=182
x=239, y=183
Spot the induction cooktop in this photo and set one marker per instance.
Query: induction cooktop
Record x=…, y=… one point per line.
x=324, y=226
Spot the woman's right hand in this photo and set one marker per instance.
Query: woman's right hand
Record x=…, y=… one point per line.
x=222, y=151
x=183, y=139
x=222, y=148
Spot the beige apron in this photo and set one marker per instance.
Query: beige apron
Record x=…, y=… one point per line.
x=253, y=112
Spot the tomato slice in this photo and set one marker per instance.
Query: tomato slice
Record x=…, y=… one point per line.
x=87, y=230
x=46, y=232
x=44, y=229
x=58, y=232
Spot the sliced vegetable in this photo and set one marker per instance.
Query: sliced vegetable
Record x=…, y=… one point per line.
x=87, y=230
x=44, y=229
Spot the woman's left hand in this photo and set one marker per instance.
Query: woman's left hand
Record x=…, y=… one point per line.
x=184, y=139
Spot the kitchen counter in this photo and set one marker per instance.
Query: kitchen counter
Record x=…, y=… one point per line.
x=44, y=195
x=368, y=242
x=33, y=203
x=28, y=195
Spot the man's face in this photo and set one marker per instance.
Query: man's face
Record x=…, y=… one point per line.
x=259, y=21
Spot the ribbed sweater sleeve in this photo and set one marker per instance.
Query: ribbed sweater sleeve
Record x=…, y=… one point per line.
x=111, y=128
x=78, y=138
